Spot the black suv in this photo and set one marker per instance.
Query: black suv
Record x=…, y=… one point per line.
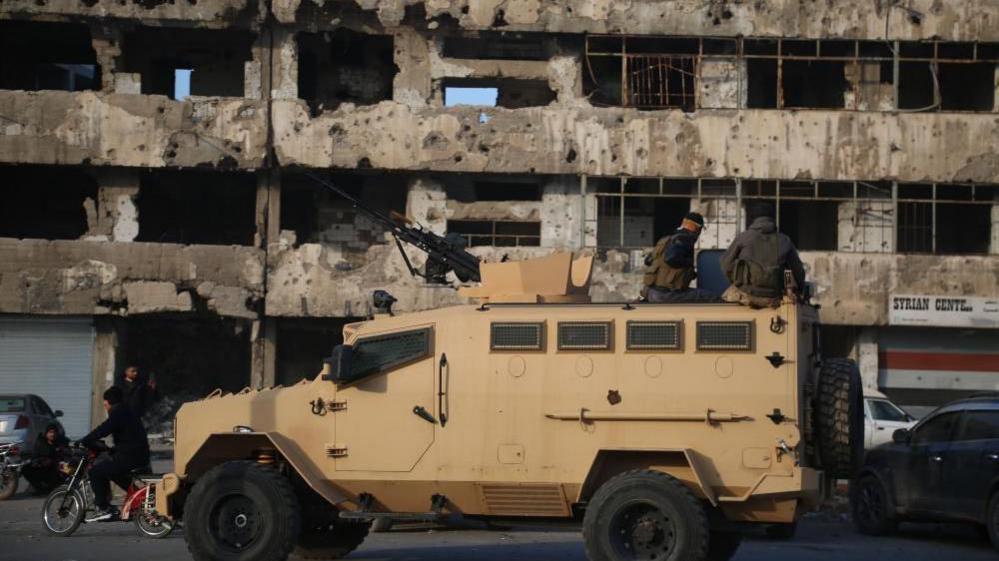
x=944, y=468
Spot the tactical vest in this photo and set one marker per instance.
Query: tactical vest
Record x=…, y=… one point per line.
x=762, y=277
x=661, y=275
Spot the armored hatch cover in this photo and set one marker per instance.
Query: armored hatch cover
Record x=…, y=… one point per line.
x=554, y=278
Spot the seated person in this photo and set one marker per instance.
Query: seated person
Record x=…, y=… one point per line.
x=671, y=266
x=131, y=451
x=756, y=260
x=43, y=470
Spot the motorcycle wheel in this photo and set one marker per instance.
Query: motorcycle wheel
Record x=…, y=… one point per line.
x=8, y=483
x=63, y=519
x=152, y=525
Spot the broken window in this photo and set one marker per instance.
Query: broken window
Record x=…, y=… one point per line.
x=45, y=202
x=303, y=343
x=945, y=219
x=317, y=215
x=47, y=56
x=189, y=357
x=512, y=93
x=197, y=207
x=211, y=61
x=497, y=233
x=642, y=72
x=635, y=212
x=344, y=66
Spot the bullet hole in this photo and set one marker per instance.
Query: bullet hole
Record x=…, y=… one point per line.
x=613, y=397
x=915, y=19
x=142, y=148
x=571, y=156
x=709, y=163
x=464, y=9
x=39, y=2
x=228, y=163
x=613, y=157
x=336, y=131
x=89, y=3
x=457, y=158
x=160, y=110
x=568, y=9
x=500, y=19
x=727, y=14
x=170, y=154
x=483, y=148
x=364, y=163
x=237, y=149
x=85, y=162
x=466, y=128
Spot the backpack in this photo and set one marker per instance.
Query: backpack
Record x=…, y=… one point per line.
x=762, y=276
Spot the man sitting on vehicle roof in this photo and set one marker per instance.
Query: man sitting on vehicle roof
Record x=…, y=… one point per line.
x=671, y=266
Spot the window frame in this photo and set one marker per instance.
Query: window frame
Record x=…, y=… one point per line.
x=630, y=347
x=608, y=326
x=870, y=402
x=428, y=330
x=542, y=337
x=950, y=437
x=963, y=423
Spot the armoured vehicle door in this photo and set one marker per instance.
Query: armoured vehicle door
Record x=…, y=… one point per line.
x=387, y=408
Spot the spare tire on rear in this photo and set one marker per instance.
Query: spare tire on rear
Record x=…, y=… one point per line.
x=839, y=418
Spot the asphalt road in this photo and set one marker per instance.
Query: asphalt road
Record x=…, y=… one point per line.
x=22, y=538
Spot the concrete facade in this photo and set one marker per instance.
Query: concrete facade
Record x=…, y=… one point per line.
x=871, y=126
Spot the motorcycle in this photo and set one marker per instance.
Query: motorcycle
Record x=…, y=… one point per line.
x=10, y=469
x=66, y=507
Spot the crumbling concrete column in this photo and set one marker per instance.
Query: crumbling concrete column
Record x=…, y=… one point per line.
x=723, y=84
x=994, y=245
x=107, y=359
x=412, y=85
x=866, y=226
x=106, y=41
x=263, y=353
x=426, y=203
x=268, y=207
x=562, y=214
x=284, y=64
x=114, y=216
x=865, y=352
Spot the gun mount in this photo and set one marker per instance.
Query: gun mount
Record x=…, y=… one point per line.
x=444, y=253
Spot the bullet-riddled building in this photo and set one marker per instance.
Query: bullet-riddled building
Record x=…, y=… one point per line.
x=156, y=205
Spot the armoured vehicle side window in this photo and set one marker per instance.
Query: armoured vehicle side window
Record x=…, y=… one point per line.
x=584, y=335
x=384, y=352
x=655, y=335
x=725, y=335
x=517, y=336
x=979, y=425
x=937, y=429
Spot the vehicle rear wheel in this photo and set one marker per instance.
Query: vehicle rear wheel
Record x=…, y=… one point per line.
x=63, y=511
x=871, y=508
x=8, y=483
x=839, y=418
x=241, y=511
x=992, y=520
x=723, y=545
x=645, y=515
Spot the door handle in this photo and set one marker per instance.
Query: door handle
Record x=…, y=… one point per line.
x=442, y=402
x=880, y=428
x=937, y=459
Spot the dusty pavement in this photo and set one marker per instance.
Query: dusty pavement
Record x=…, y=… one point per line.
x=23, y=538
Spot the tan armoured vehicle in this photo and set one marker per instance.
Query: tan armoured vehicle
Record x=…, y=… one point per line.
x=665, y=429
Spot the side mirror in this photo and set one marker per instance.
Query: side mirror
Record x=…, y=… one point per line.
x=58, y=413
x=901, y=436
x=338, y=364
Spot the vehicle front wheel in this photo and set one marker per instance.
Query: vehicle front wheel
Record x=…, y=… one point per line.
x=63, y=511
x=871, y=508
x=241, y=511
x=645, y=515
x=992, y=520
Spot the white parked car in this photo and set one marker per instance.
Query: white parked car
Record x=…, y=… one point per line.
x=881, y=419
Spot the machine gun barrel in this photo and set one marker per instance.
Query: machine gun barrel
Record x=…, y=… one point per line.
x=446, y=253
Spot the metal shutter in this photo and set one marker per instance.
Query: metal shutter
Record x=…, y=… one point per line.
x=52, y=358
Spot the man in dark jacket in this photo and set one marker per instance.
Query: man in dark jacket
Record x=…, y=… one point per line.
x=756, y=261
x=43, y=470
x=671, y=265
x=138, y=391
x=131, y=451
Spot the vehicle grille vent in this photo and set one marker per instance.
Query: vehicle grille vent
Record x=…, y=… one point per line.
x=524, y=499
x=384, y=352
x=724, y=335
x=584, y=336
x=517, y=337
x=654, y=335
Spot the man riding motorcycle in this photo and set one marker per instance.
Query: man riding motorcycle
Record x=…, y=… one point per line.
x=131, y=451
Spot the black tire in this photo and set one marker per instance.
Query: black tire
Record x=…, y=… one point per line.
x=871, y=507
x=723, y=545
x=241, y=511
x=839, y=418
x=781, y=531
x=8, y=483
x=324, y=535
x=992, y=520
x=648, y=515
x=63, y=511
